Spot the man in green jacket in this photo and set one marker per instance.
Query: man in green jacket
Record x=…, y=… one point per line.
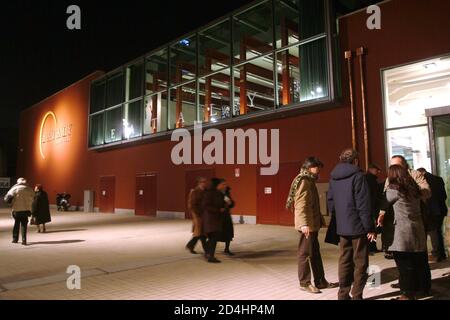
x=303, y=201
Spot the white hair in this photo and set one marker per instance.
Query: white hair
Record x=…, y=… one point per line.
x=21, y=181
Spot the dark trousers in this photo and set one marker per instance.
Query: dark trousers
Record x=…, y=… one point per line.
x=437, y=238
x=193, y=242
x=211, y=244
x=414, y=272
x=21, y=223
x=309, y=258
x=353, y=264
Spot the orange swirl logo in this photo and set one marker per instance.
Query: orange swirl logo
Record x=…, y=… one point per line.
x=41, y=137
x=56, y=135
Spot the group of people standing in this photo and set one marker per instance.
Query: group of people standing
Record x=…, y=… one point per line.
x=27, y=203
x=210, y=205
x=359, y=207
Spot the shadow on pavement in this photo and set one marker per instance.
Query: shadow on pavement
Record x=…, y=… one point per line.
x=56, y=242
x=263, y=254
x=61, y=231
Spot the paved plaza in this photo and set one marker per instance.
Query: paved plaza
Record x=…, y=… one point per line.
x=127, y=257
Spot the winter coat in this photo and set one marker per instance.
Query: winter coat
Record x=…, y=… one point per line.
x=195, y=208
x=212, y=203
x=21, y=196
x=376, y=193
x=307, y=206
x=437, y=205
x=227, y=232
x=41, y=209
x=349, y=199
x=409, y=230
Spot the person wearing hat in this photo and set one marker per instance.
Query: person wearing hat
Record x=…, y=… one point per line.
x=303, y=201
x=21, y=197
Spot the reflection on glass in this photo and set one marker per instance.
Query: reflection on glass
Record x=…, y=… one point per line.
x=215, y=101
x=288, y=76
x=182, y=106
x=115, y=90
x=254, y=86
x=134, y=75
x=155, y=113
x=98, y=96
x=183, y=61
x=214, y=48
x=114, y=125
x=96, y=130
x=442, y=143
x=132, y=120
x=156, y=71
x=253, y=34
x=413, y=144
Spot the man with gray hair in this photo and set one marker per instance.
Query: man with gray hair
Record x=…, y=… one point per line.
x=21, y=197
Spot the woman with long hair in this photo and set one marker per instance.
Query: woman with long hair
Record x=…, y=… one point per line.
x=409, y=242
x=41, y=208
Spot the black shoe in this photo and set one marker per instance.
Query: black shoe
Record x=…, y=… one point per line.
x=389, y=256
x=24, y=243
x=395, y=285
x=15, y=241
x=191, y=250
x=229, y=253
x=213, y=260
x=327, y=285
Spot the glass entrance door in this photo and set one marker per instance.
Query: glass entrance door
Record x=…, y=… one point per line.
x=441, y=130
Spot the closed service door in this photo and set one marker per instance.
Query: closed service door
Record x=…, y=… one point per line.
x=146, y=195
x=272, y=194
x=191, y=182
x=107, y=194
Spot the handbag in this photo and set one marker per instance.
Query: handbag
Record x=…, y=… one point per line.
x=332, y=236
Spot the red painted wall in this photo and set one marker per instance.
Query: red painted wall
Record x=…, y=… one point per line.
x=411, y=30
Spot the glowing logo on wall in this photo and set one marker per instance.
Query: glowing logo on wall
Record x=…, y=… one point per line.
x=56, y=135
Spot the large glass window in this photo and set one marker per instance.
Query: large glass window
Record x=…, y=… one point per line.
x=114, y=125
x=156, y=72
x=215, y=48
x=132, y=126
x=98, y=96
x=182, y=106
x=215, y=102
x=253, y=35
x=183, y=60
x=155, y=113
x=115, y=90
x=254, y=86
x=96, y=130
x=134, y=83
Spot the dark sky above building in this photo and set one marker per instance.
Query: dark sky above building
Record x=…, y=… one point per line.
x=40, y=56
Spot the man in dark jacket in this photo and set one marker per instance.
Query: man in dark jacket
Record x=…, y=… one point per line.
x=376, y=193
x=437, y=211
x=349, y=200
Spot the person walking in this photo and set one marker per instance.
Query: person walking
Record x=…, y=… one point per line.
x=227, y=232
x=304, y=202
x=437, y=211
x=21, y=197
x=213, y=206
x=409, y=243
x=349, y=200
x=195, y=208
x=40, y=209
x=376, y=193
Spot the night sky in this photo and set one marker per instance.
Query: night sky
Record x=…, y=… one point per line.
x=40, y=56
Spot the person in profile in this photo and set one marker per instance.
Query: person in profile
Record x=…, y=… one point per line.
x=40, y=212
x=20, y=196
x=227, y=232
x=195, y=208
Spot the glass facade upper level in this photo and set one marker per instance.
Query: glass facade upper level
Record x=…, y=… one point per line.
x=269, y=55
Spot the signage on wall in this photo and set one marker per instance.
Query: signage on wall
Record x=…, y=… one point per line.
x=56, y=134
x=5, y=183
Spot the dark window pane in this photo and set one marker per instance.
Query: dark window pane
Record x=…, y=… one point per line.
x=182, y=106
x=183, y=60
x=134, y=86
x=215, y=48
x=312, y=16
x=313, y=70
x=115, y=90
x=156, y=72
x=132, y=123
x=114, y=125
x=98, y=94
x=254, y=86
x=215, y=101
x=96, y=130
x=287, y=25
x=253, y=34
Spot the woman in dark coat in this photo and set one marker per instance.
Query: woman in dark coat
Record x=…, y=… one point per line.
x=213, y=205
x=227, y=233
x=41, y=209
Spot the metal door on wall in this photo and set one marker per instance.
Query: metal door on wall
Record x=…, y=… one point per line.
x=146, y=195
x=107, y=194
x=191, y=182
x=272, y=194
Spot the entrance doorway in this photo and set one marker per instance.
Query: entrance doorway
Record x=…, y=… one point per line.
x=191, y=182
x=107, y=194
x=146, y=195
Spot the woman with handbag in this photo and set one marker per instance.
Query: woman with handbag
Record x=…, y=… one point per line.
x=41, y=209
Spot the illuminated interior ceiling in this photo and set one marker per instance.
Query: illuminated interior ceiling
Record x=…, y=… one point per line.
x=423, y=85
